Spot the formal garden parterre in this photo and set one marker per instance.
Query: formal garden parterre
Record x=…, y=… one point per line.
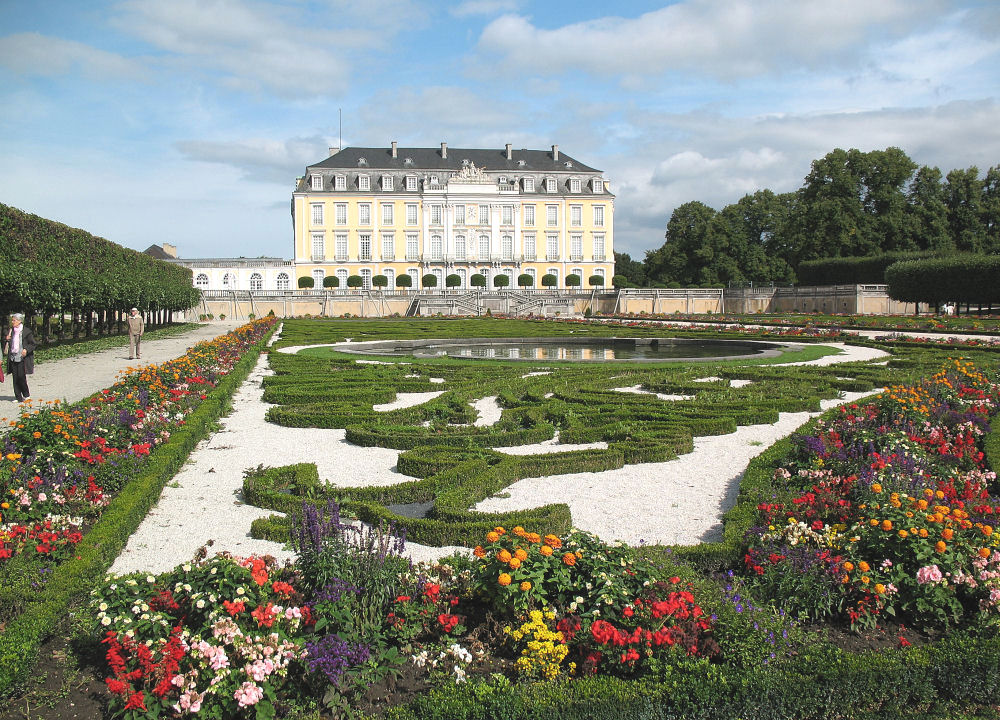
x=544, y=620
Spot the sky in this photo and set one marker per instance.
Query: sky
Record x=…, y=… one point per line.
x=188, y=121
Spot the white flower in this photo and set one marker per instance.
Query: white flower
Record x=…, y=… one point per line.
x=105, y=621
x=150, y=579
x=102, y=607
x=459, y=674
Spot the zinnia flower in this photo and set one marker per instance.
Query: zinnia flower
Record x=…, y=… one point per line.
x=504, y=579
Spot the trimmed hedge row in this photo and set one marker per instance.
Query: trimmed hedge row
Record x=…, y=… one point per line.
x=958, y=675
x=23, y=635
x=973, y=279
x=865, y=270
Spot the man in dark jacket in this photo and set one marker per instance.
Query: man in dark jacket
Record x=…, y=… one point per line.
x=19, y=348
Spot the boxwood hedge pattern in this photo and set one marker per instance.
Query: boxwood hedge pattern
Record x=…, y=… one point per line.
x=452, y=461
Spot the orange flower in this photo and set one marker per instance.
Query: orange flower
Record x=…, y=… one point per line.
x=504, y=579
x=923, y=532
x=553, y=541
x=518, y=530
x=845, y=579
x=879, y=588
x=873, y=522
x=533, y=538
x=848, y=566
x=863, y=566
x=865, y=579
x=36, y=434
x=947, y=534
x=922, y=504
x=521, y=554
x=887, y=525
x=876, y=488
x=940, y=546
x=987, y=530
x=492, y=537
x=499, y=531
x=479, y=552
x=984, y=552
x=939, y=494
x=514, y=563
x=504, y=556
x=569, y=559
x=903, y=534
x=525, y=586
x=545, y=550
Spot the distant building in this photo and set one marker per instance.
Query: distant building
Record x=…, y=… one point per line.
x=263, y=273
x=417, y=211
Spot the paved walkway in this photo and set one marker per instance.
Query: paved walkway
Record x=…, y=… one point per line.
x=75, y=378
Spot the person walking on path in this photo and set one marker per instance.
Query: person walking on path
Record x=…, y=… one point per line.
x=136, y=327
x=20, y=351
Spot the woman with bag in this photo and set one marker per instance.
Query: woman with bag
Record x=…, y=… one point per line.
x=20, y=351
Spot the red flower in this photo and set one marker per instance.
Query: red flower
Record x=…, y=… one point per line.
x=116, y=686
x=136, y=702
x=448, y=622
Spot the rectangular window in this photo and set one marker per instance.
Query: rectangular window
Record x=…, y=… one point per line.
x=460, y=247
x=598, y=185
x=529, y=215
x=317, y=182
x=365, y=246
x=507, y=214
x=341, y=248
x=435, y=214
x=411, y=214
x=529, y=184
x=550, y=185
x=364, y=183
x=436, y=247
x=598, y=216
x=317, y=214
x=387, y=214
x=318, y=247
x=388, y=246
x=552, y=247
x=412, y=246
x=387, y=183
x=364, y=214
x=484, y=214
x=599, y=248
x=484, y=247
x=507, y=247
x=551, y=215
x=576, y=215
x=341, y=213
x=460, y=214
x=574, y=185
x=576, y=247
x=411, y=182
x=340, y=182
x=529, y=246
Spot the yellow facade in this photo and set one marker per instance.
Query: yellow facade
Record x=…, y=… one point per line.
x=461, y=220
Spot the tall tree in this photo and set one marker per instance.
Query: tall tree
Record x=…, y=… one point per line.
x=632, y=270
x=964, y=197
x=686, y=250
x=991, y=210
x=927, y=213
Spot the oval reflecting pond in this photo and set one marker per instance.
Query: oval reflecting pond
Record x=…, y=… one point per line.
x=573, y=349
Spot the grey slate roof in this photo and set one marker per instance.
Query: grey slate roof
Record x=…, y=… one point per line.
x=380, y=158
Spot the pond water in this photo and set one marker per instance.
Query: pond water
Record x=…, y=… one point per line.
x=573, y=349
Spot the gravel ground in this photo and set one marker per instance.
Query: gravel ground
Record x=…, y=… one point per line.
x=680, y=501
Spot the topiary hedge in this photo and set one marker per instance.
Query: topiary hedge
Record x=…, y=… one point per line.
x=972, y=279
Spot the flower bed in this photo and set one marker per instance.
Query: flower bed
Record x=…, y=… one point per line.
x=889, y=510
x=80, y=477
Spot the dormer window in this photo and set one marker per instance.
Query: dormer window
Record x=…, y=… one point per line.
x=529, y=184
x=362, y=161
x=316, y=182
x=340, y=182
x=503, y=179
x=387, y=183
x=568, y=164
x=550, y=185
x=432, y=180
x=407, y=161
x=411, y=182
x=574, y=185
x=364, y=183
x=598, y=184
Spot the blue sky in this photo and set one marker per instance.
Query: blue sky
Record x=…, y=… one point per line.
x=187, y=121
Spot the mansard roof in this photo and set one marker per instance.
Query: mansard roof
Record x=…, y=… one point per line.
x=430, y=159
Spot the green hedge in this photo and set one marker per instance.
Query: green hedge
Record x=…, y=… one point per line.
x=866, y=270
x=973, y=279
x=23, y=635
x=958, y=675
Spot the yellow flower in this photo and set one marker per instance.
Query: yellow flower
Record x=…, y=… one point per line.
x=525, y=586
x=879, y=588
x=545, y=550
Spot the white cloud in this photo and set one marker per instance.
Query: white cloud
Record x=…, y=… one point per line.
x=258, y=160
x=32, y=53
x=721, y=38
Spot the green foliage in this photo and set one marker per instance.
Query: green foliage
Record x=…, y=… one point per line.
x=549, y=280
x=452, y=280
x=331, y=281
x=404, y=281
x=596, y=281
x=525, y=280
x=380, y=281
x=853, y=270
x=429, y=280
x=477, y=280
x=307, y=281
x=573, y=280
x=973, y=279
x=355, y=281
x=501, y=280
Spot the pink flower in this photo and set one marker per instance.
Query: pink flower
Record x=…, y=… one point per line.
x=248, y=694
x=929, y=574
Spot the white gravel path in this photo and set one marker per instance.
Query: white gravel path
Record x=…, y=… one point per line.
x=680, y=501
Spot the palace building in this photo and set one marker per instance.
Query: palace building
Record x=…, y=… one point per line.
x=452, y=211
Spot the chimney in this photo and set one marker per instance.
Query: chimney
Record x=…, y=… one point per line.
x=510, y=155
x=555, y=153
x=169, y=249
x=334, y=151
x=394, y=148
x=444, y=150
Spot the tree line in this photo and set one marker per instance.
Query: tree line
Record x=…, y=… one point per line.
x=72, y=282
x=851, y=204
